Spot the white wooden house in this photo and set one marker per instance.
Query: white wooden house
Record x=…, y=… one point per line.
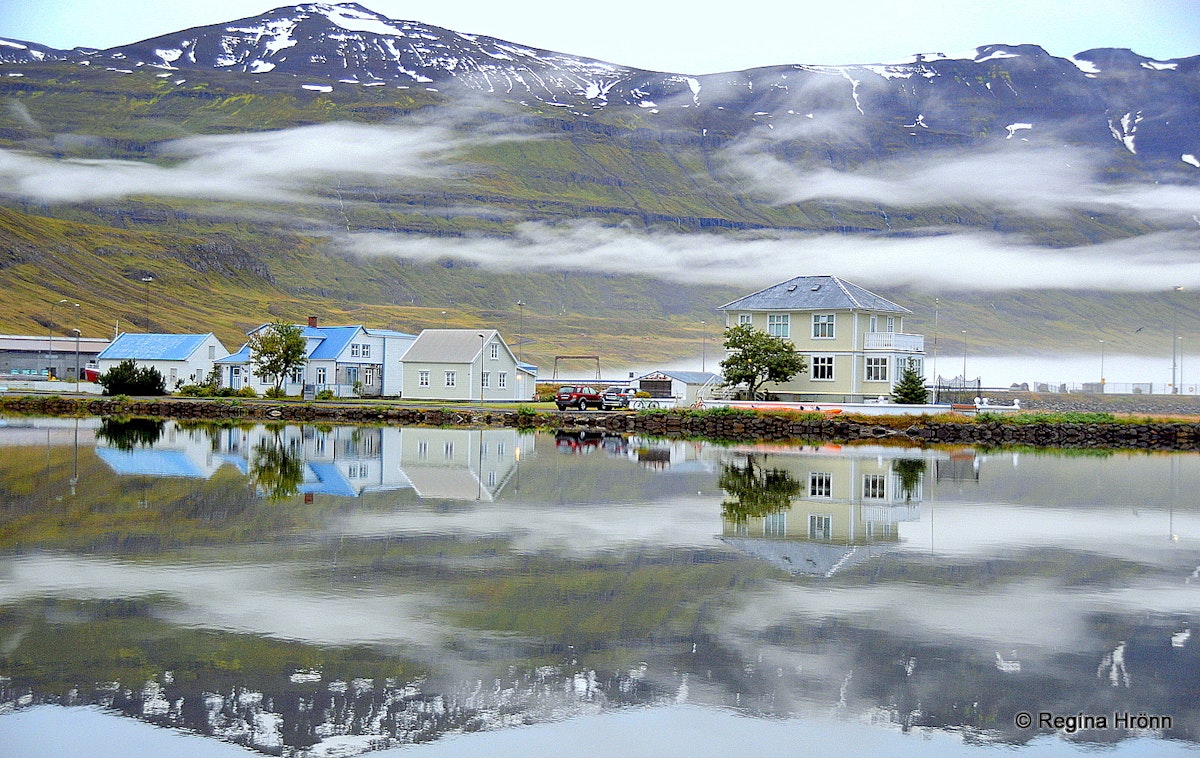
x=465, y=364
x=180, y=358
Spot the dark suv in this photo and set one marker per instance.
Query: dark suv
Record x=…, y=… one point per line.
x=578, y=396
x=618, y=397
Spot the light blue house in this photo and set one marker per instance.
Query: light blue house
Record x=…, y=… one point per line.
x=340, y=358
x=180, y=358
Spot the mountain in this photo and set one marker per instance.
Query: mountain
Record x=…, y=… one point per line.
x=1147, y=106
x=415, y=166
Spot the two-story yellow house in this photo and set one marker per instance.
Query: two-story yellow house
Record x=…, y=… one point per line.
x=852, y=339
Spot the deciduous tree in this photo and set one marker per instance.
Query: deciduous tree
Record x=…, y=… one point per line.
x=278, y=350
x=757, y=357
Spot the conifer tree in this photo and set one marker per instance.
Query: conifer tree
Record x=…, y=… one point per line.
x=911, y=387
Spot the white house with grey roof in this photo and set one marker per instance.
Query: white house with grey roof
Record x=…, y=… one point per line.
x=852, y=339
x=465, y=364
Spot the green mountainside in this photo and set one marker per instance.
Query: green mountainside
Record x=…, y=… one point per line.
x=227, y=264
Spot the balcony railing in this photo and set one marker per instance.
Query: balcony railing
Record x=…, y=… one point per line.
x=895, y=341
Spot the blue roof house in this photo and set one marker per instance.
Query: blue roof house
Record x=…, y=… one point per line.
x=339, y=359
x=180, y=358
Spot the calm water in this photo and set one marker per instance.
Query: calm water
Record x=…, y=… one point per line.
x=324, y=590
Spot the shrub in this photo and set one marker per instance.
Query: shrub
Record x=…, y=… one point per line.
x=324, y=395
x=128, y=378
x=246, y=391
x=275, y=392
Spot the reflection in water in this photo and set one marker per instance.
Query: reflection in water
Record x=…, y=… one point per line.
x=126, y=434
x=276, y=467
x=410, y=583
x=817, y=510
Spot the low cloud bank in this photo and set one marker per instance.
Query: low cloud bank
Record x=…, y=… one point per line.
x=940, y=261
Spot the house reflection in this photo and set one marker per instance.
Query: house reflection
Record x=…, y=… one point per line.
x=817, y=510
x=344, y=461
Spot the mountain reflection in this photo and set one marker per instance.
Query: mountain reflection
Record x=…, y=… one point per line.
x=340, y=589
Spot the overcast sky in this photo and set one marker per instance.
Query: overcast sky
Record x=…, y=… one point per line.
x=680, y=37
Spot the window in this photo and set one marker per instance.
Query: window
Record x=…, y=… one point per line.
x=369, y=376
x=351, y=374
x=904, y=362
x=822, y=368
x=491, y=479
x=422, y=378
x=366, y=350
x=495, y=348
x=451, y=378
x=820, y=527
x=487, y=379
x=822, y=326
x=745, y=318
x=422, y=449
x=212, y=352
x=502, y=380
x=298, y=375
x=775, y=524
x=354, y=350
x=779, y=326
x=877, y=369
x=874, y=324
x=891, y=323
x=448, y=450
x=320, y=376
x=874, y=486
x=820, y=484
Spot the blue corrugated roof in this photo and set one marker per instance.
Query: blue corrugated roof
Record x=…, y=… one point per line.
x=329, y=481
x=335, y=340
x=153, y=347
x=241, y=356
x=173, y=463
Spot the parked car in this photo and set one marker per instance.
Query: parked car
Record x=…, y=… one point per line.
x=618, y=397
x=578, y=396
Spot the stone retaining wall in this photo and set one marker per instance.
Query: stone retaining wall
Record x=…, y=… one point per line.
x=1165, y=435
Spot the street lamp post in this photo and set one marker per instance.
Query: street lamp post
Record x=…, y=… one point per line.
x=482, y=373
x=1101, y=367
x=704, y=346
x=1174, y=340
x=146, y=280
x=77, y=333
x=964, y=339
x=65, y=301
x=443, y=319
x=521, y=336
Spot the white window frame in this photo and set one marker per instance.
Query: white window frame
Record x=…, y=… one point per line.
x=874, y=486
x=823, y=326
x=502, y=380
x=495, y=351
x=826, y=361
x=354, y=350
x=745, y=319
x=820, y=484
x=451, y=378
x=775, y=524
x=366, y=350
x=891, y=324
x=820, y=526
x=422, y=378
x=487, y=379
x=779, y=325
x=875, y=369
x=369, y=376
x=320, y=374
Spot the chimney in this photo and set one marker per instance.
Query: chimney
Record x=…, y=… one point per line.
x=312, y=321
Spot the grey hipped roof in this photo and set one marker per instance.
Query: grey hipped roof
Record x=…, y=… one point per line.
x=814, y=293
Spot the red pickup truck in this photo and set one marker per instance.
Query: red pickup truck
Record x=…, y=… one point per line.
x=578, y=396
